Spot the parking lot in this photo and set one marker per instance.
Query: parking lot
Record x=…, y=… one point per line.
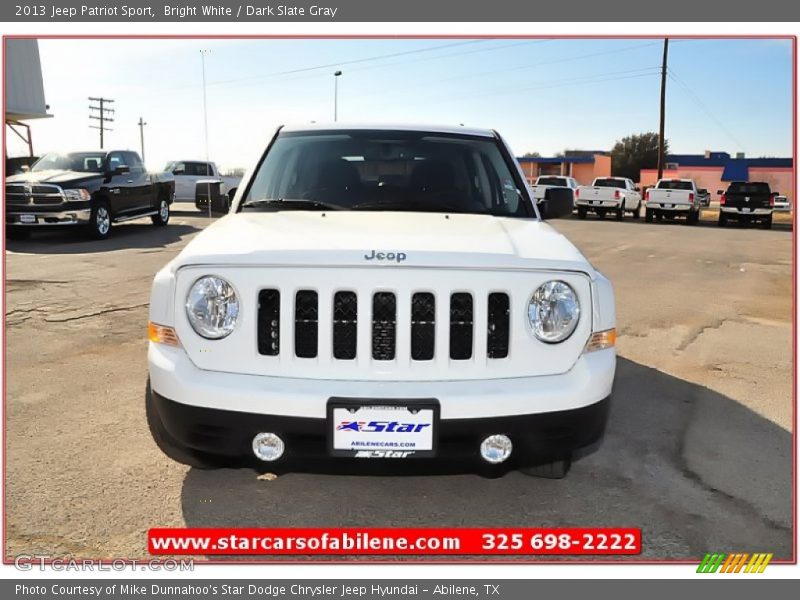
x=698, y=451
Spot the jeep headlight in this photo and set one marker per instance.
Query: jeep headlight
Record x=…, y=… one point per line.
x=553, y=311
x=212, y=307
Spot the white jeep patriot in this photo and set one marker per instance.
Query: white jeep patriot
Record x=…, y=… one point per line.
x=381, y=293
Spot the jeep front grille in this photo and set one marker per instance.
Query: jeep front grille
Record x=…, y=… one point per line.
x=413, y=325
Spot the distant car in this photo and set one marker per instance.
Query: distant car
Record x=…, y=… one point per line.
x=746, y=202
x=188, y=172
x=87, y=189
x=673, y=198
x=782, y=204
x=546, y=182
x=616, y=195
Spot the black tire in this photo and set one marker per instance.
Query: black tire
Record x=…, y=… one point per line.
x=601, y=213
x=767, y=223
x=162, y=217
x=18, y=233
x=167, y=444
x=620, y=213
x=582, y=212
x=723, y=219
x=99, y=225
x=637, y=213
x=692, y=217
x=551, y=469
x=648, y=215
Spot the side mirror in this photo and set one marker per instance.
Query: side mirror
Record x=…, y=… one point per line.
x=121, y=170
x=180, y=171
x=232, y=193
x=775, y=194
x=720, y=192
x=557, y=203
x=702, y=191
x=637, y=189
x=24, y=169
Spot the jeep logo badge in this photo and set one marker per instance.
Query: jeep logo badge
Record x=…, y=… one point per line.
x=385, y=256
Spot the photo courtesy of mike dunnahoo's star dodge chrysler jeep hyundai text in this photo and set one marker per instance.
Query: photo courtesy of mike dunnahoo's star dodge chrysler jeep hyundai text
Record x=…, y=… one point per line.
x=382, y=293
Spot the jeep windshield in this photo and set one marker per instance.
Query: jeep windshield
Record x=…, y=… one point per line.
x=388, y=170
x=88, y=162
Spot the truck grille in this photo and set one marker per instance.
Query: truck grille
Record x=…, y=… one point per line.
x=33, y=194
x=387, y=325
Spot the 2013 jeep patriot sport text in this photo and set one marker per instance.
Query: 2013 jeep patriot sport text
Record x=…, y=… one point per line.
x=381, y=293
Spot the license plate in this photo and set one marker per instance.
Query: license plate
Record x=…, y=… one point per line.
x=668, y=206
x=382, y=429
x=27, y=218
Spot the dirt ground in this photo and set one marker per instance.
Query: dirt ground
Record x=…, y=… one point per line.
x=697, y=453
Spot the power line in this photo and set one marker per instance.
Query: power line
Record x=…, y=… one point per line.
x=103, y=115
x=696, y=99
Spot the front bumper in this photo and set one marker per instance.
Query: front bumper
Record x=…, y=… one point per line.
x=70, y=216
x=229, y=434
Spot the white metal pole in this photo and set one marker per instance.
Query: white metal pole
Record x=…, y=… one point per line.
x=205, y=125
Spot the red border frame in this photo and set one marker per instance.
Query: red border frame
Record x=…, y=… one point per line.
x=479, y=560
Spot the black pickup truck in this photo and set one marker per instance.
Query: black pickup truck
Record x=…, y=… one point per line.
x=747, y=201
x=91, y=190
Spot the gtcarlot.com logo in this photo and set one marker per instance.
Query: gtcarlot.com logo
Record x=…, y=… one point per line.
x=741, y=562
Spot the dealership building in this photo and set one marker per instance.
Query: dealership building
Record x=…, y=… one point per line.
x=583, y=165
x=715, y=170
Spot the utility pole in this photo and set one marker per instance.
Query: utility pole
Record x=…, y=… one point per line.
x=336, y=76
x=103, y=115
x=663, y=109
x=141, y=134
x=205, y=121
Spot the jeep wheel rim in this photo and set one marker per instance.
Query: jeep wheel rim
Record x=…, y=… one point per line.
x=164, y=210
x=103, y=220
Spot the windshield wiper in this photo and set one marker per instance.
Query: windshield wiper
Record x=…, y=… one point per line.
x=299, y=202
x=424, y=205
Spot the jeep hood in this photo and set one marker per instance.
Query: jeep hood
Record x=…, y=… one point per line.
x=346, y=238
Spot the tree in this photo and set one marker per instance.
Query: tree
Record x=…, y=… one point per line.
x=531, y=155
x=636, y=152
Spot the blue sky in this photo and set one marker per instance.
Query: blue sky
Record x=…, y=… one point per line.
x=542, y=95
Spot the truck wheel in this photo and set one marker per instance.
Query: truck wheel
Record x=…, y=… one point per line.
x=582, y=212
x=100, y=222
x=723, y=219
x=162, y=218
x=168, y=445
x=554, y=469
x=18, y=233
x=692, y=217
x=601, y=213
x=767, y=223
x=637, y=213
x=648, y=215
x=620, y=213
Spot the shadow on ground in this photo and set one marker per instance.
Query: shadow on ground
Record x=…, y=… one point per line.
x=694, y=469
x=70, y=240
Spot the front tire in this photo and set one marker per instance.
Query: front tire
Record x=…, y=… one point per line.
x=723, y=219
x=620, y=213
x=582, y=212
x=648, y=215
x=100, y=222
x=550, y=469
x=162, y=218
x=637, y=213
x=168, y=445
x=767, y=223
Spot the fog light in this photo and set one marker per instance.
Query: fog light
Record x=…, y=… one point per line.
x=496, y=448
x=268, y=447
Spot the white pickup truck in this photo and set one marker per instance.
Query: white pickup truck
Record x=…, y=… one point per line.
x=547, y=182
x=670, y=198
x=381, y=293
x=188, y=172
x=616, y=195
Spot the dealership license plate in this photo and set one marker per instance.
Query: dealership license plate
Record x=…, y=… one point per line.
x=382, y=431
x=27, y=218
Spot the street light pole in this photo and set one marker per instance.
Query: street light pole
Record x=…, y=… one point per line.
x=141, y=134
x=336, y=76
x=205, y=124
